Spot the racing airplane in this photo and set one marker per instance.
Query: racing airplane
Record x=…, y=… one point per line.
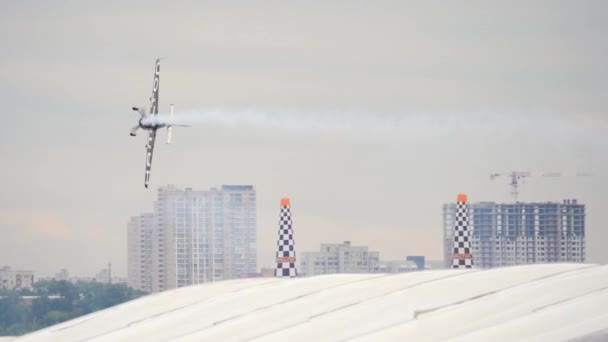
x=150, y=122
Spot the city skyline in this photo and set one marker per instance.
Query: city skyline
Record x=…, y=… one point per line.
x=270, y=263
x=368, y=117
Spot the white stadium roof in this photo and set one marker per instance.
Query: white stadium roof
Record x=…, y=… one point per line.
x=550, y=302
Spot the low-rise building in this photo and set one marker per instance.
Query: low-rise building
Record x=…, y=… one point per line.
x=397, y=266
x=339, y=258
x=419, y=260
x=16, y=279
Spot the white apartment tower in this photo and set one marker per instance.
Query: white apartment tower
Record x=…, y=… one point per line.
x=521, y=233
x=339, y=258
x=199, y=236
x=139, y=237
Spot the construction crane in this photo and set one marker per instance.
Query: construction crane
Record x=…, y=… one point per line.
x=518, y=177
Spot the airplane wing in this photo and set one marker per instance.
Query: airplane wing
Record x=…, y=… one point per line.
x=155, y=89
x=153, y=112
x=149, y=152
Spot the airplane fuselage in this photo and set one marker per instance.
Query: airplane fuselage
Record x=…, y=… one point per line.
x=150, y=125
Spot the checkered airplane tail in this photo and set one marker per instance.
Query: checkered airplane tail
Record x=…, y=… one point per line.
x=462, y=256
x=286, y=254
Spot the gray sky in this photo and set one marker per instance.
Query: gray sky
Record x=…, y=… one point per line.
x=385, y=110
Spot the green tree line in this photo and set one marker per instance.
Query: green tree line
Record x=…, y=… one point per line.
x=55, y=302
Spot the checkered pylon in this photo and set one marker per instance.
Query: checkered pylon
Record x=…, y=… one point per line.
x=286, y=254
x=462, y=256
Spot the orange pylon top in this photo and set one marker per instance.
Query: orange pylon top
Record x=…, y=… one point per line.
x=462, y=197
x=285, y=201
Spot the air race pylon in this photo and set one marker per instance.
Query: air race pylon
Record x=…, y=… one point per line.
x=462, y=257
x=286, y=254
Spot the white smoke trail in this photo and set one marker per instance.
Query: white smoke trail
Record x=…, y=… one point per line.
x=299, y=121
x=482, y=125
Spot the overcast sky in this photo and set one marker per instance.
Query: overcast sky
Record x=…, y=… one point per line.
x=368, y=114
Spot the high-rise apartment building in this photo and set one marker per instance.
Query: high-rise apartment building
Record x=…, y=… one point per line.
x=339, y=258
x=195, y=237
x=139, y=237
x=520, y=233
